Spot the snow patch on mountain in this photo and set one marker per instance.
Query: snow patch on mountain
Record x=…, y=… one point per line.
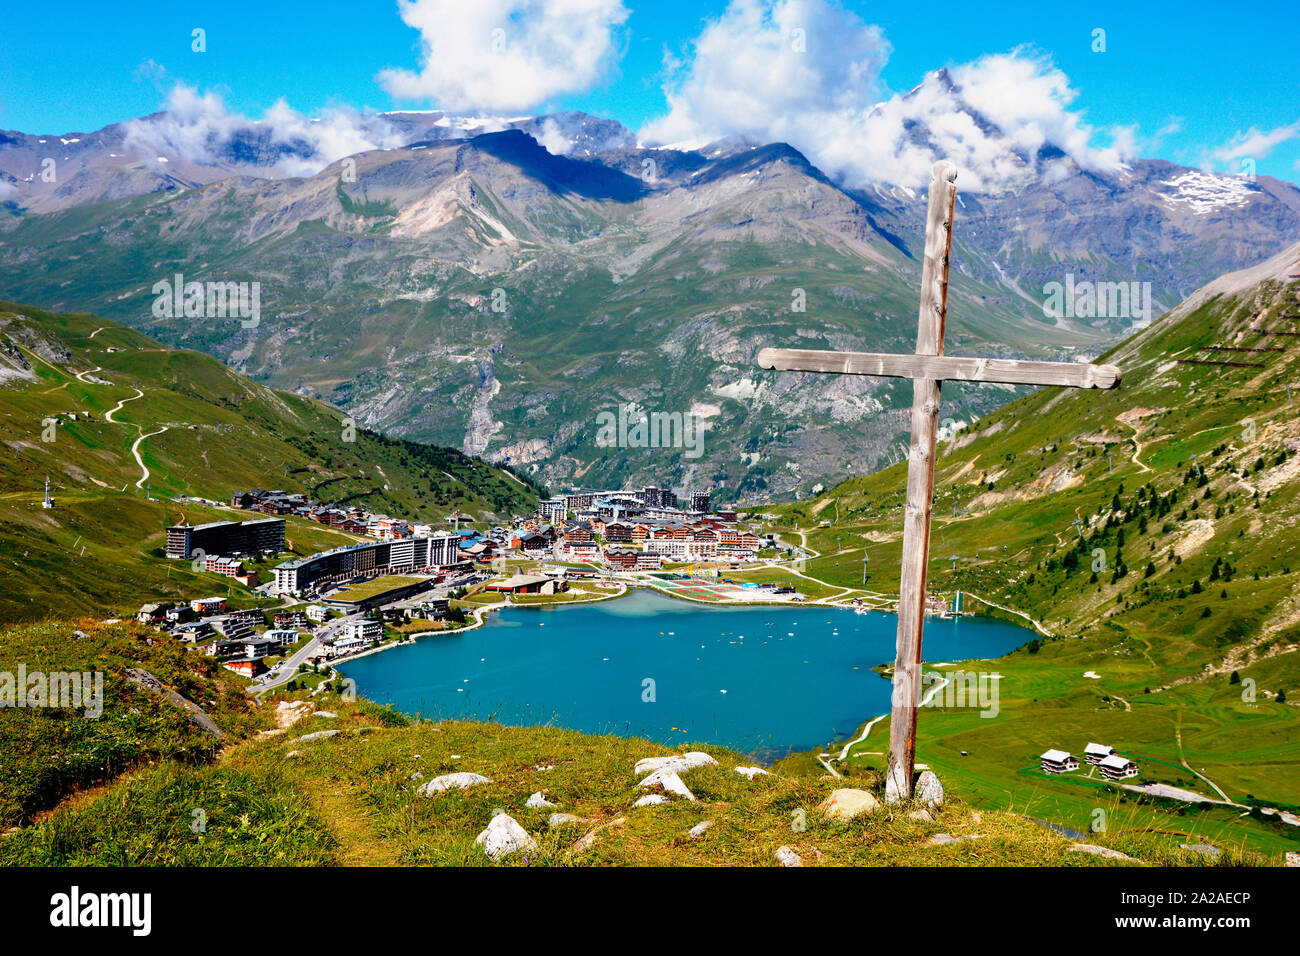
x=1206, y=192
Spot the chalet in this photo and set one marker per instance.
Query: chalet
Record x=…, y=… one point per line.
x=248, y=667
x=624, y=558
x=639, y=533
x=729, y=538
x=532, y=541
x=434, y=609
x=1096, y=753
x=1058, y=761
x=617, y=531
x=151, y=613
x=581, y=550
x=1116, y=767
x=194, y=631
x=750, y=541
x=579, y=531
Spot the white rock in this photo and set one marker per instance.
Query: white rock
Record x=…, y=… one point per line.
x=752, y=772
x=651, y=800
x=943, y=839
x=847, y=803
x=669, y=781
x=921, y=815
x=699, y=829
x=928, y=791
x=319, y=735
x=504, y=836
x=325, y=713
x=1292, y=858
x=452, y=781
x=539, y=802
x=678, y=763
x=787, y=857
x=416, y=776
x=1102, y=851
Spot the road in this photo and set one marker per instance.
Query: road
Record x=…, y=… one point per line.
x=289, y=669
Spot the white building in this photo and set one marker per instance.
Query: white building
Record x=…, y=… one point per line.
x=1096, y=753
x=362, y=629
x=1058, y=761
x=1116, y=767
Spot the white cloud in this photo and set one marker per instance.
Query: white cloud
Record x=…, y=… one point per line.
x=198, y=128
x=1253, y=144
x=506, y=54
x=745, y=74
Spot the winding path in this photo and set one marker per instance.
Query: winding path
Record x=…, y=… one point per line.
x=135, y=452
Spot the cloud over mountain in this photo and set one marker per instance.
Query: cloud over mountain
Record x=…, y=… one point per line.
x=198, y=128
x=807, y=72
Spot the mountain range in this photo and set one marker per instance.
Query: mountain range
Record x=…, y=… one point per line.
x=495, y=284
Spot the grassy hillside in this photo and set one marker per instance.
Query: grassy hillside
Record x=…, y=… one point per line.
x=80, y=397
x=351, y=799
x=47, y=753
x=1164, y=577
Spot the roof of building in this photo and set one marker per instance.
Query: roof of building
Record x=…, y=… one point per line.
x=1098, y=749
x=520, y=580
x=1055, y=756
x=1116, y=761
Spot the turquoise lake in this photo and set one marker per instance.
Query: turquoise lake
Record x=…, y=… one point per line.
x=766, y=681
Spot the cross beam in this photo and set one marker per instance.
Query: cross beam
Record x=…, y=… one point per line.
x=927, y=369
x=942, y=368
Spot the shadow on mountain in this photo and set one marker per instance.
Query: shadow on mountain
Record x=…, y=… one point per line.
x=592, y=180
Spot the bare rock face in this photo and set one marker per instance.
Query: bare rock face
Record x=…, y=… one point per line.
x=539, y=802
x=503, y=836
x=450, y=781
x=752, y=772
x=928, y=791
x=847, y=803
x=787, y=857
x=678, y=763
x=701, y=828
x=147, y=682
x=650, y=800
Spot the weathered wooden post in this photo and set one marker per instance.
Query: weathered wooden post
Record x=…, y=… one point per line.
x=927, y=369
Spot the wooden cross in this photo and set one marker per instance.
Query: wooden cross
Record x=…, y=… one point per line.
x=927, y=369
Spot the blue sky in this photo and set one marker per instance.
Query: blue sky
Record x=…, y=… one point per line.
x=1197, y=71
